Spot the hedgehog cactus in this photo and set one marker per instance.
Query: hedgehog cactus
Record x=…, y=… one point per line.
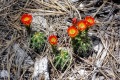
x=81, y=44
x=79, y=35
x=38, y=41
x=62, y=60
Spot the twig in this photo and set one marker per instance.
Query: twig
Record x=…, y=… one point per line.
x=103, y=74
x=100, y=8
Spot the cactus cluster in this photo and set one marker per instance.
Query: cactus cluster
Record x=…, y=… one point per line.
x=80, y=40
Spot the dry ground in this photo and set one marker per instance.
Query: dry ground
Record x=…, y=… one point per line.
x=57, y=12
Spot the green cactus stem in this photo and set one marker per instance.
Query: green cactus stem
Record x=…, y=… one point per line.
x=62, y=60
x=81, y=44
x=38, y=41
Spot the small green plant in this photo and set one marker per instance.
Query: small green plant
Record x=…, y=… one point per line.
x=38, y=41
x=62, y=60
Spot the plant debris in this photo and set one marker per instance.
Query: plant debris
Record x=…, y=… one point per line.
x=17, y=63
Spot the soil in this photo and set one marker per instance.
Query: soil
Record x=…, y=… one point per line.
x=57, y=13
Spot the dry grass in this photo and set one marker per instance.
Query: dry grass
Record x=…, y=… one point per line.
x=56, y=12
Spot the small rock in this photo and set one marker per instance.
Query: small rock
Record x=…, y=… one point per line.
x=82, y=72
x=21, y=56
x=4, y=73
x=98, y=47
x=39, y=23
x=81, y=6
x=41, y=68
x=96, y=41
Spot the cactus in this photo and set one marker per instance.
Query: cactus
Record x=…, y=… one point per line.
x=81, y=44
x=62, y=60
x=79, y=36
x=38, y=41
